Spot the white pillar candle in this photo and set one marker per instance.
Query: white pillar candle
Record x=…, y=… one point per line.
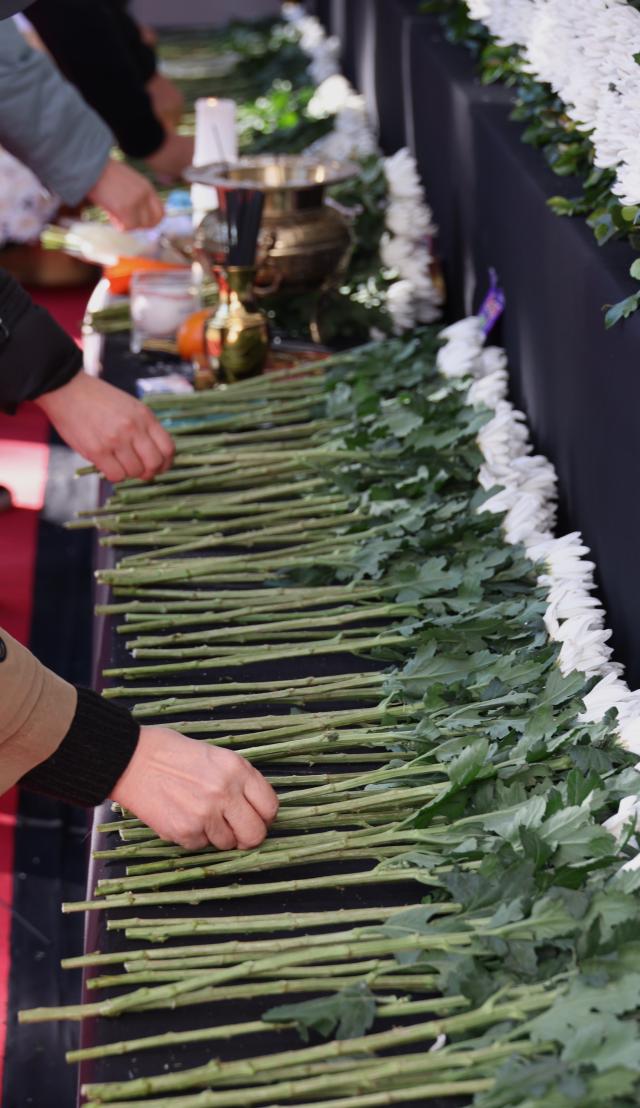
x=216, y=141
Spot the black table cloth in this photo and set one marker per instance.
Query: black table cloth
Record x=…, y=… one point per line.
x=122, y=368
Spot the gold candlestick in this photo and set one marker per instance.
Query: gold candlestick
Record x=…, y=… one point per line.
x=237, y=335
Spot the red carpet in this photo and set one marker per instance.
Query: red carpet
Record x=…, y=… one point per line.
x=67, y=306
x=24, y=456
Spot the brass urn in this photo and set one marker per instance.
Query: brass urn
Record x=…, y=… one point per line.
x=237, y=335
x=302, y=239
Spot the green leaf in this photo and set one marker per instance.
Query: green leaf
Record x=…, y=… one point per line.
x=469, y=764
x=347, y=1014
x=575, y=835
x=509, y=824
x=579, y=786
x=495, y=883
x=622, y=310
x=606, y=1044
x=410, y=922
x=535, y=848
x=399, y=417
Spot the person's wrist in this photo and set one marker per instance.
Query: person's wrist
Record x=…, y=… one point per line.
x=99, y=181
x=128, y=784
x=100, y=742
x=53, y=397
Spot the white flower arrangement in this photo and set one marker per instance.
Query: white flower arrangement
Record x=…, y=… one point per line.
x=527, y=493
x=585, y=50
x=25, y=204
x=406, y=247
x=407, y=244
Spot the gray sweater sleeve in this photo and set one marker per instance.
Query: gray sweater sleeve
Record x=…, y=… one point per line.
x=45, y=123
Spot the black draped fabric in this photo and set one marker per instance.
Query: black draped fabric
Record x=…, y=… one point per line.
x=322, y=9
x=441, y=95
x=390, y=71
x=346, y=23
x=360, y=52
x=577, y=382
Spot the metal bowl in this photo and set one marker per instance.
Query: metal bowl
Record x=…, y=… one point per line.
x=303, y=240
x=272, y=173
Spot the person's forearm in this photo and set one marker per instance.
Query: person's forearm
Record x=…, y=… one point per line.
x=72, y=744
x=55, y=738
x=92, y=756
x=36, y=355
x=45, y=123
x=36, y=710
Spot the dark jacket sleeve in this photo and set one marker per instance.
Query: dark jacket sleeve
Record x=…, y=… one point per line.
x=56, y=738
x=92, y=756
x=36, y=355
x=99, y=49
x=45, y=123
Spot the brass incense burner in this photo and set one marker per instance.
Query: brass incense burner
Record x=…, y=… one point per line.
x=302, y=239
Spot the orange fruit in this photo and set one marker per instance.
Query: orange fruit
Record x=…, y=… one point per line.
x=190, y=337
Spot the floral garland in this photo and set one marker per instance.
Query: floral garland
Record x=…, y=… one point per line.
x=527, y=494
x=575, y=70
x=412, y=296
x=586, y=51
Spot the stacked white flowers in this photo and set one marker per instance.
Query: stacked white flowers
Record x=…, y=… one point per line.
x=406, y=248
x=585, y=50
x=527, y=484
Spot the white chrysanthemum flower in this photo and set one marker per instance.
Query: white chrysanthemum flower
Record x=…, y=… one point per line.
x=628, y=813
x=630, y=734
x=330, y=97
x=313, y=38
x=586, y=51
x=466, y=331
x=293, y=12
x=401, y=172
x=400, y=305
x=494, y=360
x=396, y=253
x=610, y=692
x=409, y=218
x=634, y=863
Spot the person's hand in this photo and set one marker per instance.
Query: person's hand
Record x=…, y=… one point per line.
x=127, y=197
x=172, y=158
x=194, y=794
x=108, y=427
x=148, y=34
x=166, y=99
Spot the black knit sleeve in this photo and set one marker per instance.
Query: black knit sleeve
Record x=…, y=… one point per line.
x=36, y=355
x=92, y=756
x=98, y=48
x=145, y=55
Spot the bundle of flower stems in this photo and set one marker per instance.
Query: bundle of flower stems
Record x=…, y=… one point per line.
x=316, y=585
